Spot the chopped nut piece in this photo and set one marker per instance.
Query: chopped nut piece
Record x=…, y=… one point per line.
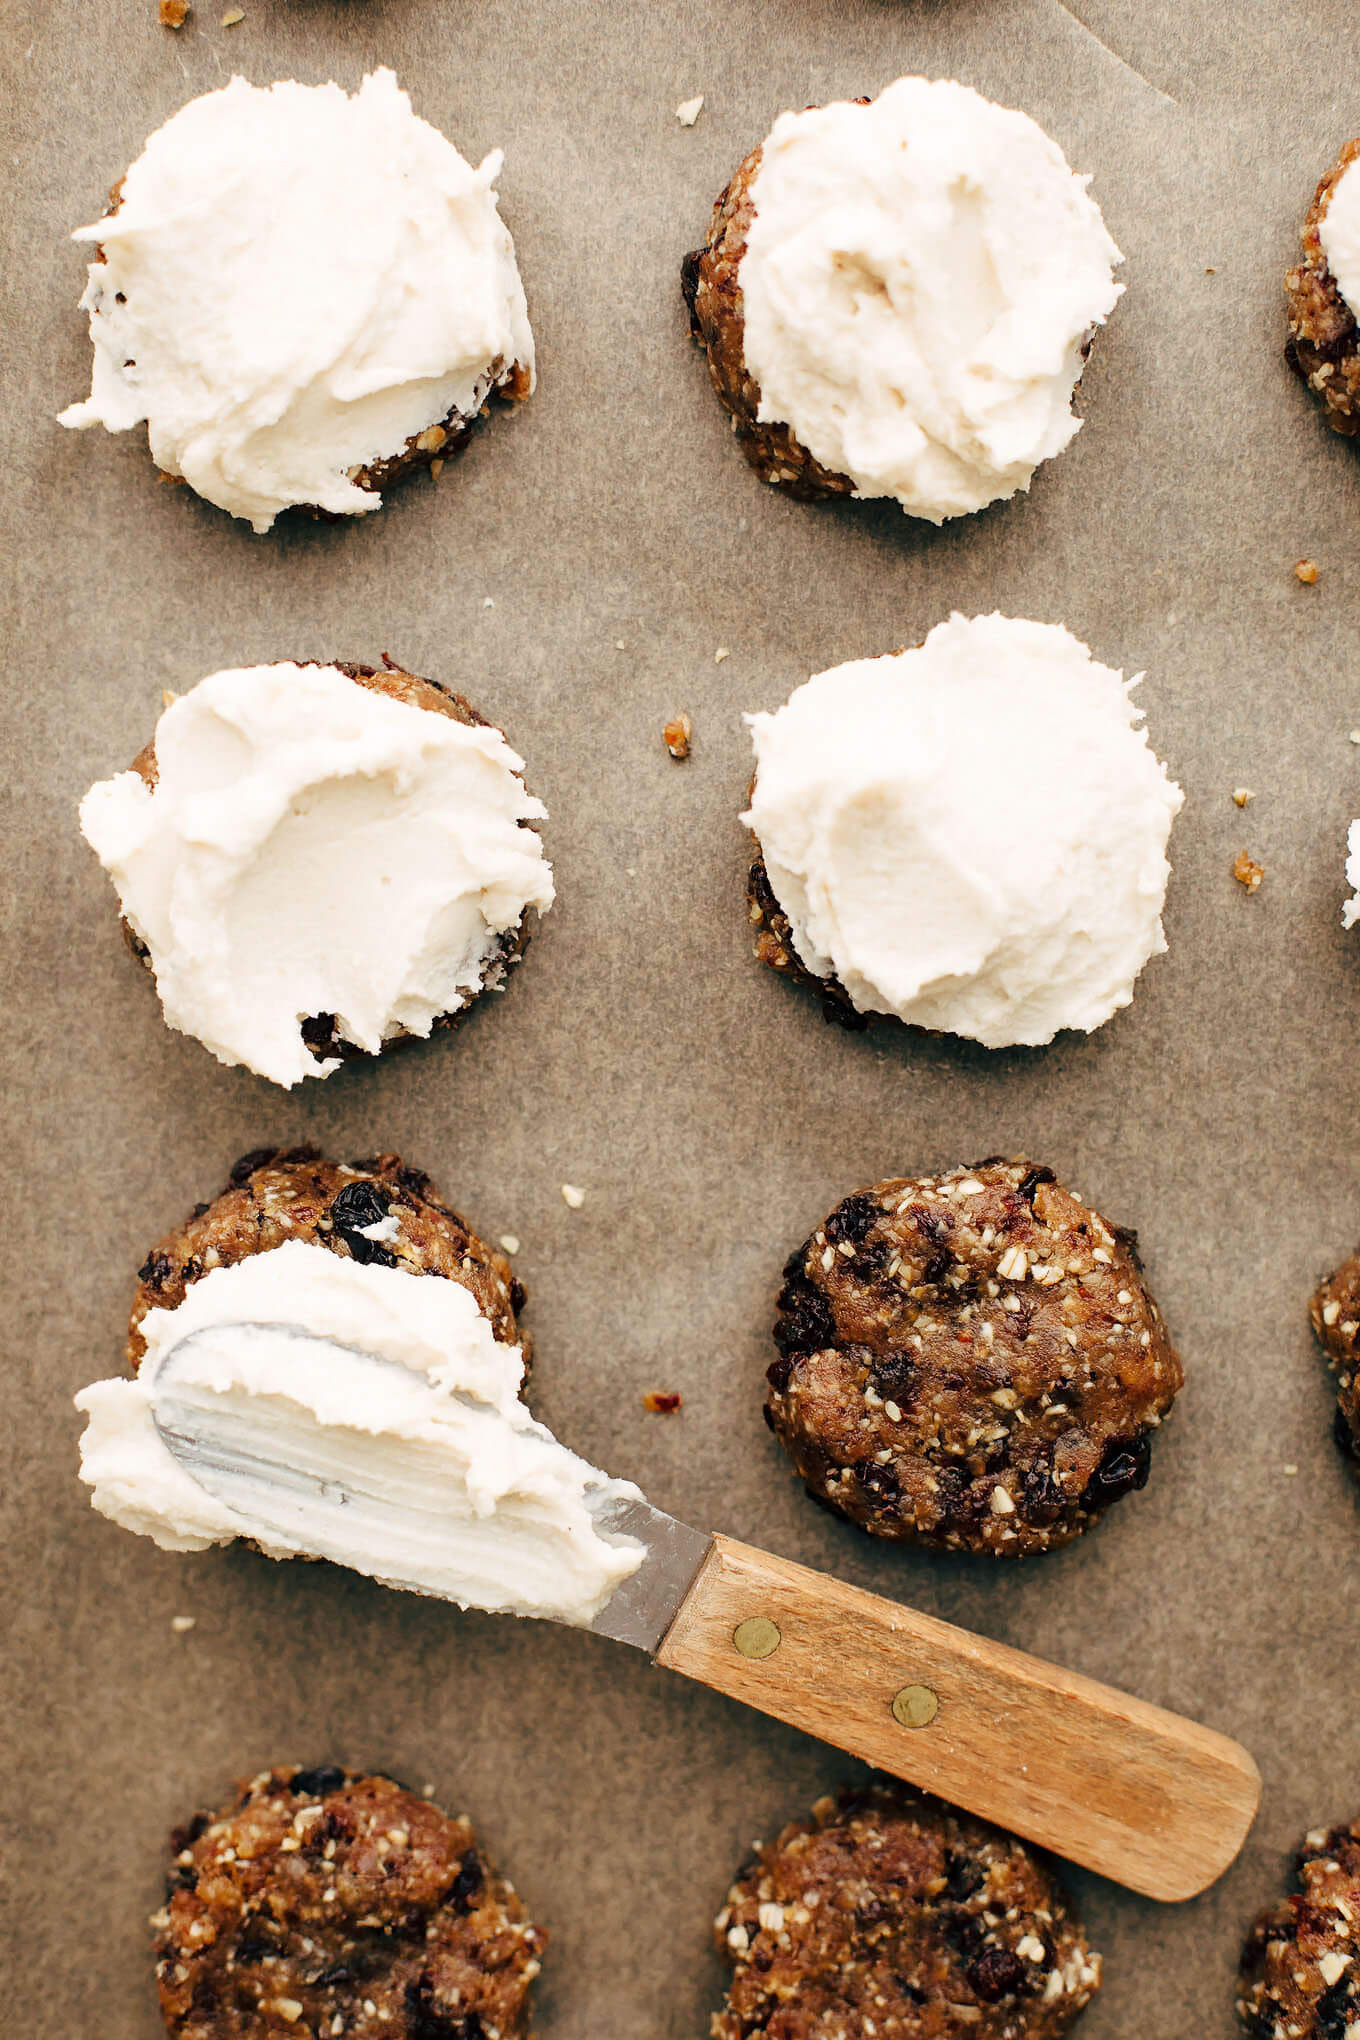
x=721, y=654
x=1307, y=572
x=662, y=1402
x=436, y=469
x=173, y=13
x=572, y=1197
x=510, y=1242
x=1242, y=794
x=1247, y=871
x=688, y=111
x=676, y=735
x=431, y=439
x=229, y=20
x=181, y=1624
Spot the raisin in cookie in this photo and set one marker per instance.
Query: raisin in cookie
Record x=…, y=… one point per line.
x=1324, y=342
x=889, y=1917
x=379, y=1210
x=324, y=1903
x=1301, y=1965
x=1335, y=1312
x=970, y=1361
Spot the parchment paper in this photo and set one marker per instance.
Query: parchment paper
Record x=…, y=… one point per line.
x=707, y=1111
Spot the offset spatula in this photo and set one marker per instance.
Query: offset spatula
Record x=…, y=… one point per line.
x=1146, y=1798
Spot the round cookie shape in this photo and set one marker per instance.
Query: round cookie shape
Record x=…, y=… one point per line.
x=323, y=1901
x=889, y=1914
x=969, y=836
x=1323, y=347
x=1335, y=1314
x=379, y=1210
x=1300, y=1971
x=295, y=806
x=305, y=295
x=970, y=1361
x=897, y=296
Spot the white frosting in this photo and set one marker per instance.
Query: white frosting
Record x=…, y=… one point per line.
x=1350, y=912
x=295, y=284
x=1339, y=234
x=971, y=835
x=313, y=847
x=450, y=1486
x=918, y=282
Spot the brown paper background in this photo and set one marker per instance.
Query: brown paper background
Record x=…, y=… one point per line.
x=710, y=1115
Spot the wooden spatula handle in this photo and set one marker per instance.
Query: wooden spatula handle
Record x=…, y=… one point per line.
x=1146, y=1798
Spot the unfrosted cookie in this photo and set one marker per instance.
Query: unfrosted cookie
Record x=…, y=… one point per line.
x=379, y=1211
x=970, y=1361
x=890, y=1917
x=326, y=1903
x=1335, y=1312
x=304, y=295
x=897, y=296
x=1323, y=293
x=1300, y=1973
x=317, y=861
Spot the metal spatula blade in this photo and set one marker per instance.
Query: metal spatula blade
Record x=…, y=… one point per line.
x=1143, y=1796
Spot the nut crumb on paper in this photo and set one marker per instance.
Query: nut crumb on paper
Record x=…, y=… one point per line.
x=573, y=1197
x=676, y=735
x=509, y=1242
x=662, y=1402
x=182, y=1624
x=1307, y=571
x=1247, y=871
x=1241, y=795
x=232, y=16
x=721, y=654
x=688, y=111
x=173, y=13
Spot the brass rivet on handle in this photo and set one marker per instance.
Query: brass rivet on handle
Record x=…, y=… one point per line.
x=915, y=1706
x=757, y=1637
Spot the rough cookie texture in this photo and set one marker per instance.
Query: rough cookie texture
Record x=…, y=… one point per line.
x=1324, y=344
x=326, y=1903
x=970, y=1361
x=1335, y=1312
x=889, y=1917
x=319, y=1031
x=712, y=291
x=774, y=947
x=282, y=1194
x=1301, y=1963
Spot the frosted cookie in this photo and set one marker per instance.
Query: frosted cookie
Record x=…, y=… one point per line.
x=324, y=1902
x=1323, y=293
x=970, y=1361
x=317, y=861
x=888, y=1914
x=897, y=298
x=1300, y=1972
x=304, y=295
x=970, y=836
x=1335, y=1314
x=342, y=1335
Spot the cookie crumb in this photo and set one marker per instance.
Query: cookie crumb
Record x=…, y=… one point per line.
x=1211, y=272
x=676, y=735
x=721, y=654
x=1290, y=1471
x=572, y=1197
x=1247, y=871
x=510, y=1242
x=688, y=111
x=488, y=602
x=232, y=16
x=1241, y=795
x=1307, y=571
x=182, y=1624
x=173, y=13
x=436, y=469
x=662, y=1402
